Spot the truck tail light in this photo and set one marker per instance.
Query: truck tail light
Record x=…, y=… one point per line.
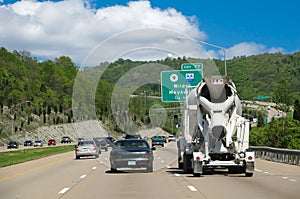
x=250, y=158
x=198, y=158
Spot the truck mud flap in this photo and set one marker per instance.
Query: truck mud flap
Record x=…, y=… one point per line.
x=197, y=168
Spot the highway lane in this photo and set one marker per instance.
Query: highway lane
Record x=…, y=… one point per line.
x=61, y=176
x=43, y=178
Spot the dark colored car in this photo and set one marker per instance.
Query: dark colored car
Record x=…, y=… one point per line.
x=101, y=143
x=87, y=148
x=110, y=141
x=131, y=153
x=13, y=145
x=66, y=139
x=28, y=143
x=133, y=136
x=51, y=142
x=165, y=138
x=157, y=140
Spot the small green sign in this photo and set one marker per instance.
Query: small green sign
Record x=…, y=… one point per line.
x=176, y=84
x=192, y=66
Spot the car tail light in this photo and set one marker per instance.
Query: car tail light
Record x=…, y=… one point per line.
x=76, y=148
x=94, y=147
x=146, y=155
x=198, y=158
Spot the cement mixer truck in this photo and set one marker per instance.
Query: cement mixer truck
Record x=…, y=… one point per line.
x=214, y=133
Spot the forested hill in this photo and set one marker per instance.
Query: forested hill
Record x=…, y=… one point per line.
x=42, y=83
x=267, y=74
x=50, y=82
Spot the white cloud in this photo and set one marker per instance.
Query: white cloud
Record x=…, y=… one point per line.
x=276, y=49
x=249, y=48
x=73, y=28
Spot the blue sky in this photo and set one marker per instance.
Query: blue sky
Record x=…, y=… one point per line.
x=273, y=23
x=73, y=27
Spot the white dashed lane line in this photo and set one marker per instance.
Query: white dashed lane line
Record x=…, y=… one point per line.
x=192, y=188
x=177, y=174
x=283, y=177
x=83, y=176
x=64, y=190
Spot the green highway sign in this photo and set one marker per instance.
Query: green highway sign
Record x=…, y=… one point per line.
x=176, y=84
x=192, y=66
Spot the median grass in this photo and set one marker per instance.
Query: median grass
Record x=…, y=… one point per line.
x=18, y=156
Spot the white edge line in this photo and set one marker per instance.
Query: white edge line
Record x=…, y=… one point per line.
x=257, y=170
x=64, y=190
x=192, y=188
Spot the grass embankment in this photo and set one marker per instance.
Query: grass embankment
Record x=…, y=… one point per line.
x=18, y=156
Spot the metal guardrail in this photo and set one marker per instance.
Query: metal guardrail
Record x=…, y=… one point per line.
x=288, y=156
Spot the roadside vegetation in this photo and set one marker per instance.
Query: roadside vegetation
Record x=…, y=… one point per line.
x=280, y=133
x=19, y=156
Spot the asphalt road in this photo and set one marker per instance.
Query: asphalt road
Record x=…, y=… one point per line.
x=61, y=176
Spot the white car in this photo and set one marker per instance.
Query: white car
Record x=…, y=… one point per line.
x=171, y=138
x=38, y=143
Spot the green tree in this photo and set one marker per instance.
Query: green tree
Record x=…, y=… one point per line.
x=283, y=93
x=296, y=114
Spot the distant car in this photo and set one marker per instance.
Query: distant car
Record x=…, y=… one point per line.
x=13, y=145
x=28, y=143
x=80, y=139
x=171, y=138
x=133, y=136
x=131, y=153
x=87, y=148
x=38, y=143
x=165, y=138
x=101, y=143
x=66, y=139
x=157, y=140
x=51, y=142
x=110, y=141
